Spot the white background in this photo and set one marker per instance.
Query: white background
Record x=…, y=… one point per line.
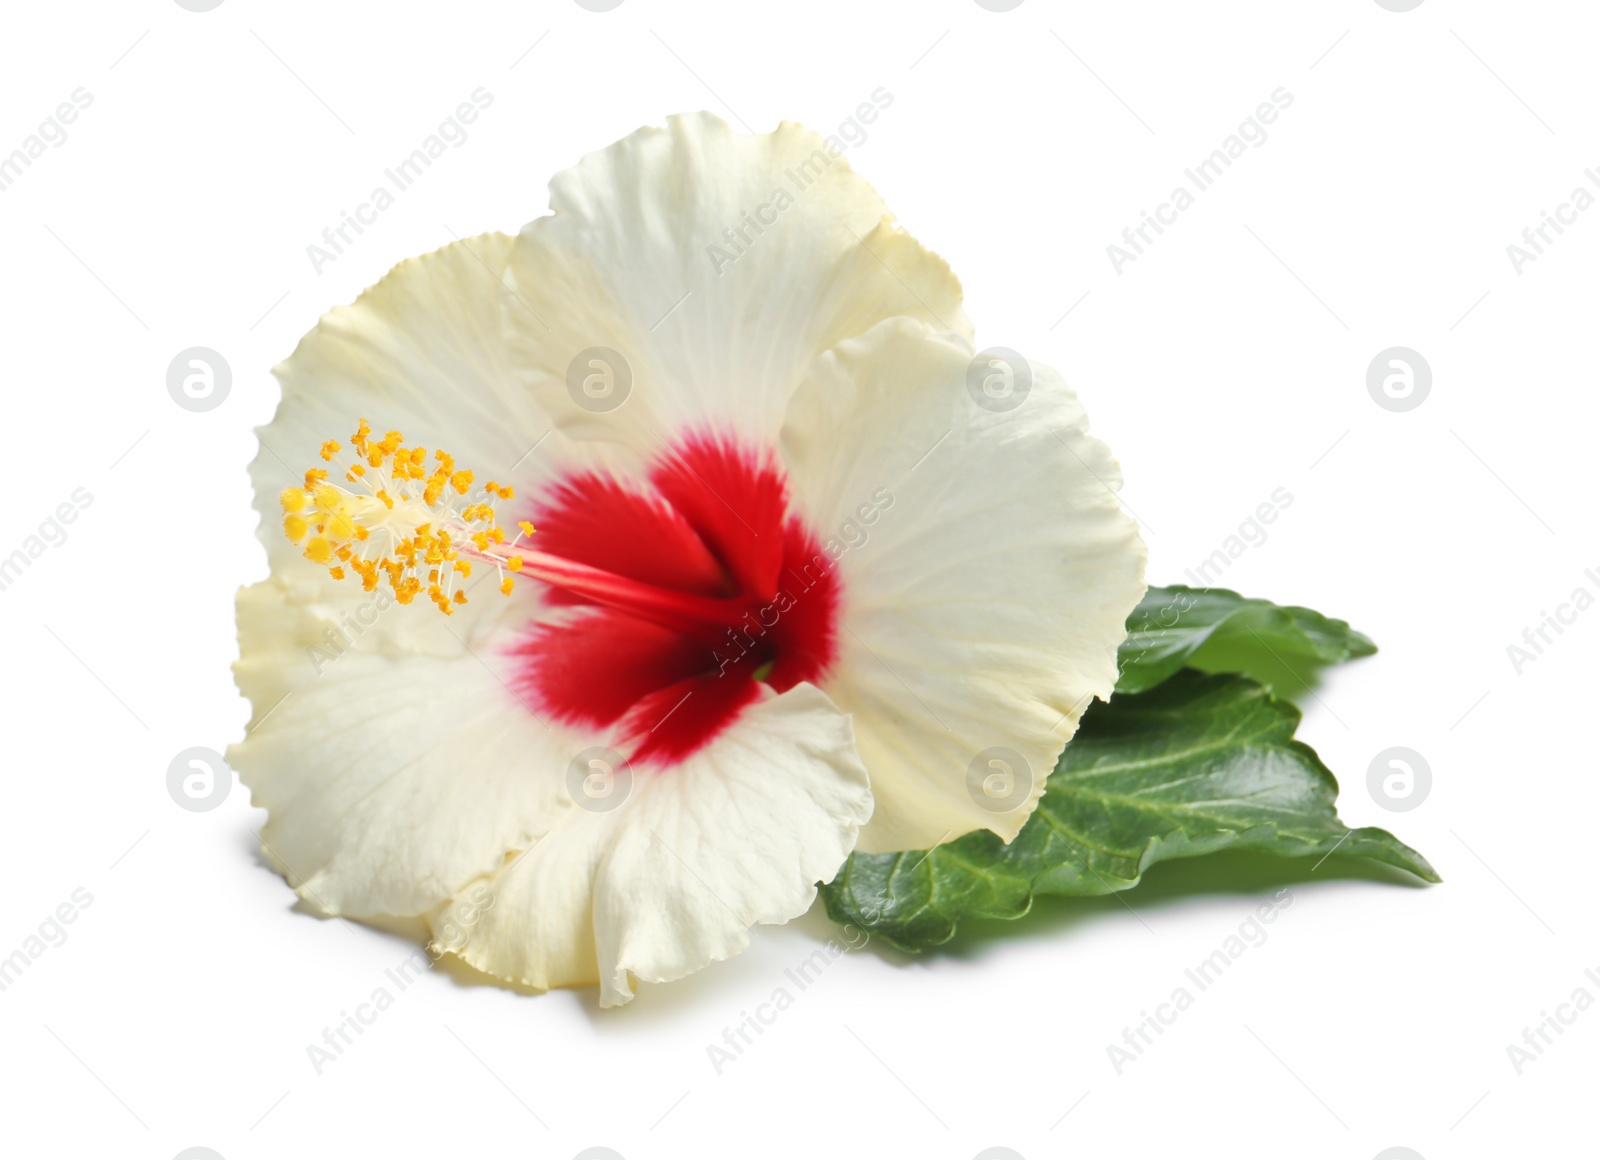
x=1226, y=362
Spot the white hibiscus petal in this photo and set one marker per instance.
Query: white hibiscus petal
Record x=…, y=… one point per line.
x=391, y=781
x=422, y=351
x=740, y=833
x=986, y=603
x=629, y=261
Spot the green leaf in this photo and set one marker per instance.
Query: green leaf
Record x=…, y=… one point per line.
x=1216, y=630
x=1198, y=764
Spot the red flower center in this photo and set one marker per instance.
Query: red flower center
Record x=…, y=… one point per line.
x=686, y=592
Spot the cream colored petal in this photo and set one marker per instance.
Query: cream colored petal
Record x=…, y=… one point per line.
x=630, y=261
x=992, y=576
x=392, y=780
x=671, y=880
x=422, y=352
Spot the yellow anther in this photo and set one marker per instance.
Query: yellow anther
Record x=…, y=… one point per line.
x=393, y=519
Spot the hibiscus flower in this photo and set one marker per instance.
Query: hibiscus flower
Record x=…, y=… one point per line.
x=653, y=559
